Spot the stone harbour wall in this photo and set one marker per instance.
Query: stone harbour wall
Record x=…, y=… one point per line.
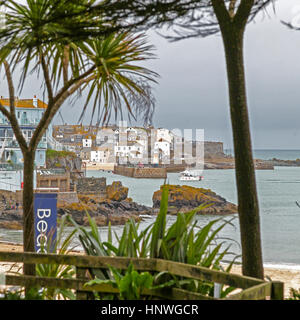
x=146, y=173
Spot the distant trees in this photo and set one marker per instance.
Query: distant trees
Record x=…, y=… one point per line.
x=105, y=67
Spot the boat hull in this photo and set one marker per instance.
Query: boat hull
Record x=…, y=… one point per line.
x=190, y=178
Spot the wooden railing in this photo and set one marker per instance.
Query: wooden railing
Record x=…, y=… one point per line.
x=252, y=288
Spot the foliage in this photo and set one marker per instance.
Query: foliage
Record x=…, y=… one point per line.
x=51, y=154
x=107, y=68
x=294, y=294
x=33, y=294
x=62, y=246
x=130, y=285
x=184, y=241
x=195, y=16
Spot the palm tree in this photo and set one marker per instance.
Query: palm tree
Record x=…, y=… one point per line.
x=106, y=68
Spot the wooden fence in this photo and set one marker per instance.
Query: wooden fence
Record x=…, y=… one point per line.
x=252, y=288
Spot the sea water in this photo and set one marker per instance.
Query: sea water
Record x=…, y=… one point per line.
x=269, y=154
x=278, y=191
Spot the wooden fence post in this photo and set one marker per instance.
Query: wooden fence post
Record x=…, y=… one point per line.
x=81, y=274
x=277, y=291
x=217, y=290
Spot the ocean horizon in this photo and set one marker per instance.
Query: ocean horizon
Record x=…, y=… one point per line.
x=269, y=154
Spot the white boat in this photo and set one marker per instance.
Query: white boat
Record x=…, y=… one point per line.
x=190, y=176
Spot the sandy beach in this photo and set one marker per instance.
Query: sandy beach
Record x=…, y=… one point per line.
x=290, y=277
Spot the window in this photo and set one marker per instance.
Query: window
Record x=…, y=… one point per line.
x=10, y=133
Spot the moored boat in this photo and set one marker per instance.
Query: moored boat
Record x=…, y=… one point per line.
x=190, y=176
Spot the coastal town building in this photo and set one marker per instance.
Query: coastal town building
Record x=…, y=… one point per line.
x=29, y=113
x=160, y=143
x=161, y=152
x=101, y=154
x=129, y=150
x=87, y=142
x=85, y=154
x=108, y=135
x=123, y=144
x=75, y=137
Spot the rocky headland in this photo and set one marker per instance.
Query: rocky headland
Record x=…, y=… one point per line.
x=63, y=160
x=284, y=163
x=111, y=204
x=116, y=208
x=187, y=198
x=228, y=162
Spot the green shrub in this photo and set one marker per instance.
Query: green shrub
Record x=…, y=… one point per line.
x=294, y=294
x=62, y=246
x=33, y=294
x=184, y=241
x=51, y=154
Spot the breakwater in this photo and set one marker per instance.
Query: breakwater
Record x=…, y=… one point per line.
x=146, y=173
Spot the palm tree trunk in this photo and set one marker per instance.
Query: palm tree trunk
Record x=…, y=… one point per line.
x=245, y=173
x=28, y=210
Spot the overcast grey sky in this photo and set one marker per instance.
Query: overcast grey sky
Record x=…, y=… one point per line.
x=192, y=90
x=193, y=87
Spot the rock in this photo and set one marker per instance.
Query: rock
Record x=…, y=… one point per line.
x=285, y=163
x=228, y=162
x=186, y=198
x=116, y=208
x=11, y=219
x=11, y=225
x=116, y=191
x=92, y=185
x=63, y=159
x=112, y=207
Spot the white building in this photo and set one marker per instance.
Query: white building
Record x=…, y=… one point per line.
x=87, y=143
x=161, y=152
x=106, y=135
x=101, y=155
x=164, y=134
x=162, y=146
x=131, y=150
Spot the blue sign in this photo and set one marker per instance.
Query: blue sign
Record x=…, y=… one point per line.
x=45, y=221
